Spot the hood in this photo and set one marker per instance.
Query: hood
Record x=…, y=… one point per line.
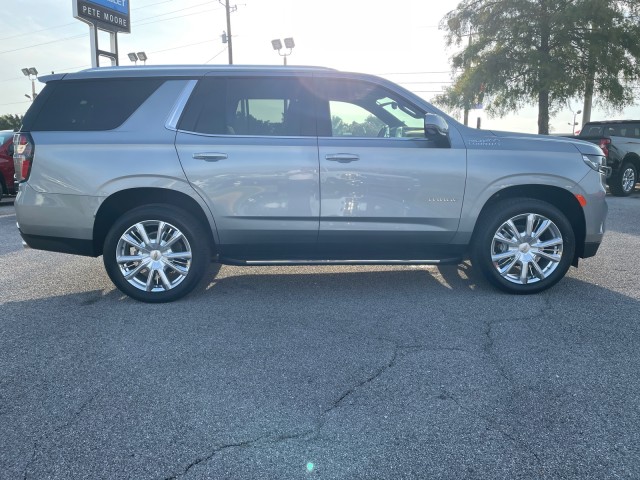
x=580, y=145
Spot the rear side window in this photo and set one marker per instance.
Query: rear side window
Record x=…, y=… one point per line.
x=629, y=130
x=92, y=105
x=271, y=107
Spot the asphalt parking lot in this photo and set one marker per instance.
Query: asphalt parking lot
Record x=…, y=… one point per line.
x=318, y=372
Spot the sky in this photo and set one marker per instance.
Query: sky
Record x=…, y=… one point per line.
x=398, y=40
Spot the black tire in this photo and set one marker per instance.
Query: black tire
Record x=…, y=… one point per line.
x=506, y=270
x=3, y=190
x=623, y=181
x=164, y=269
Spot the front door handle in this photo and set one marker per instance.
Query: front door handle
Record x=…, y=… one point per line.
x=342, y=157
x=210, y=156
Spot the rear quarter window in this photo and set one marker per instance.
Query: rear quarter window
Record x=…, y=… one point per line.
x=91, y=105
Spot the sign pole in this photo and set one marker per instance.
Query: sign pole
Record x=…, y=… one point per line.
x=114, y=48
x=111, y=16
x=93, y=34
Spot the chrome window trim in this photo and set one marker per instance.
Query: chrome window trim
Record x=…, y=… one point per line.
x=178, y=107
x=221, y=135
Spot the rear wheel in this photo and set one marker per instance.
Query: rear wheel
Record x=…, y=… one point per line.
x=622, y=183
x=523, y=245
x=156, y=253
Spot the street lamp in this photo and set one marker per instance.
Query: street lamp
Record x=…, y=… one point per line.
x=32, y=74
x=134, y=57
x=574, y=124
x=288, y=44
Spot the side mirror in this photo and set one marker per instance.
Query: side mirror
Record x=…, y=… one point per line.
x=437, y=129
x=10, y=149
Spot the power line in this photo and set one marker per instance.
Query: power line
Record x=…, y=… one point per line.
x=421, y=83
x=184, y=46
x=176, y=11
x=14, y=103
x=173, y=18
x=44, y=43
x=413, y=73
x=217, y=54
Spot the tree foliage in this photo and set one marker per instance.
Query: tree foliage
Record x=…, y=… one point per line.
x=369, y=128
x=523, y=52
x=10, y=122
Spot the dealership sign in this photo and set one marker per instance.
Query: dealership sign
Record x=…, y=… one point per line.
x=109, y=15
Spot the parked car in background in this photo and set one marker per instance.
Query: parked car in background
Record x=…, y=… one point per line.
x=7, y=185
x=620, y=142
x=161, y=169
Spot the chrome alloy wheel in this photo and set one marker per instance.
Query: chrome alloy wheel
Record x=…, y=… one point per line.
x=527, y=248
x=153, y=256
x=628, y=179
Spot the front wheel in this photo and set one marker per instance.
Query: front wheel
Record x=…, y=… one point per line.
x=156, y=253
x=523, y=245
x=622, y=183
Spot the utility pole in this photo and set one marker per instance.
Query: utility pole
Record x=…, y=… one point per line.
x=229, y=9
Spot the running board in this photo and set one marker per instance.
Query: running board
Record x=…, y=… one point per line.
x=442, y=261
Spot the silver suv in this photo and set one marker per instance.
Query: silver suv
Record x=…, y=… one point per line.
x=162, y=169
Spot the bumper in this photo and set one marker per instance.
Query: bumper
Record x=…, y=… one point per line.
x=44, y=215
x=59, y=244
x=590, y=249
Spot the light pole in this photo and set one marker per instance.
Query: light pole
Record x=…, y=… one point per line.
x=573, y=125
x=288, y=44
x=31, y=73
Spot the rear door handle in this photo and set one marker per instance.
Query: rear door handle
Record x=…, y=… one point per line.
x=210, y=156
x=342, y=157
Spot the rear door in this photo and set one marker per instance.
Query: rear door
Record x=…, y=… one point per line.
x=248, y=146
x=386, y=191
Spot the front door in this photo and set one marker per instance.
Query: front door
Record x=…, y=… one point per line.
x=386, y=191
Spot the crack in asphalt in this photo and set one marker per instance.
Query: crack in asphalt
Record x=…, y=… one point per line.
x=208, y=457
x=45, y=436
x=493, y=425
x=272, y=439
x=377, y=374
x=489, y=344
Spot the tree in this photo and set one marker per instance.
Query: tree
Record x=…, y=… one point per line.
x=539, y=52
x=10, y=122
x=609, y=52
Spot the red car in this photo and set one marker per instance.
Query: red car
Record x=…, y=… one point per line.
x=6, y=163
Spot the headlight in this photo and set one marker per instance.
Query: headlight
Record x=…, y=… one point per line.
x=597, y=163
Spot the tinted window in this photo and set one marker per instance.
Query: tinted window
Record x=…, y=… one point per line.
x=92, y=104
x=274, y=106
x=361, y=109
x=629, y=130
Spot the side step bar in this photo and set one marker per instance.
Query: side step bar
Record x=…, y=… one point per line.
x=442, y=261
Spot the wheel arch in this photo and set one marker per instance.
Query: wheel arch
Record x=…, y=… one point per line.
x=560, y=198
x=633, y=158
x=124, y=200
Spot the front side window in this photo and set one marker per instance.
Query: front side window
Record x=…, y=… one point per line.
x=360, y=109
x=270, y=106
